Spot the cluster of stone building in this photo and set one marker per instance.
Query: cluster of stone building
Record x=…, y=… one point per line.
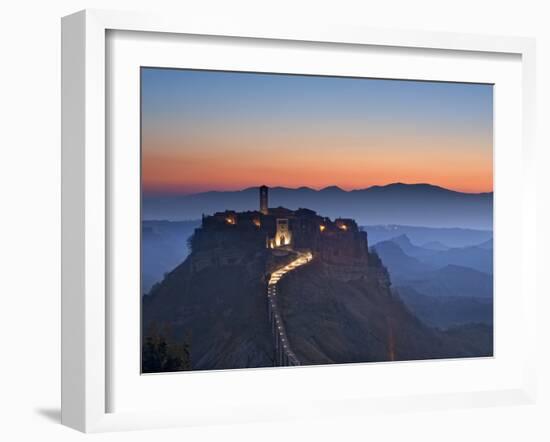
x=284, y=229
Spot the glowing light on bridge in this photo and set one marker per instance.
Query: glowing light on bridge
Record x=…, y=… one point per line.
x=278, y=329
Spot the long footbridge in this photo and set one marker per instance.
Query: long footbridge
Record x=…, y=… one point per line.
x=284, y=356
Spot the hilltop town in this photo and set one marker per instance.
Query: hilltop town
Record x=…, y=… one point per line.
x=282, y=232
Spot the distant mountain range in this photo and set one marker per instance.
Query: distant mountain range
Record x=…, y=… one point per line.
x=431, y=238
x=444, y=286
x=409, y=262
x=405, y=204
x=478, y=257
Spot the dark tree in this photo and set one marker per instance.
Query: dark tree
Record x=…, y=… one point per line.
x=162, y=354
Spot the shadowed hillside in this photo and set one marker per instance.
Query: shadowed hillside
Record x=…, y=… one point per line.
x=331, y=320
x=219, y=311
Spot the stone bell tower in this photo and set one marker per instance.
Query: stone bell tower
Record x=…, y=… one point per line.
x=263, y=199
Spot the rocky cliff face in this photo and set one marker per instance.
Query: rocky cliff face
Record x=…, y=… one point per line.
x=333, y=319
x=219, y=310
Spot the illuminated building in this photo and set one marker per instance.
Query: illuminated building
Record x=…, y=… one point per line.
x=284, y=230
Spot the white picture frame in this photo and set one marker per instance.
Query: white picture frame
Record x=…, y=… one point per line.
x=86, y=205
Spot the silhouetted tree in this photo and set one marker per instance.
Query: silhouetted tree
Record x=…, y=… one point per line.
x=162, y=354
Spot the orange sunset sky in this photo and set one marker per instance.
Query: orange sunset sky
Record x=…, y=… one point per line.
x=204, y=130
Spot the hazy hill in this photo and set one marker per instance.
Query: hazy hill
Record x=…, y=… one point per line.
x=447, y=311
x=410, y=258
x=452, y=280
x=429, y=237
x=399, y=264
x=435, y=245
x=432, y=273
x=439, y=293
x=163, y=247
x=477, y=258
x=486, y=244
x=413, y=204
x=413, y=250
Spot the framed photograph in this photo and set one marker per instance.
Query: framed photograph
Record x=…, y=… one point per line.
x=275, y=222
